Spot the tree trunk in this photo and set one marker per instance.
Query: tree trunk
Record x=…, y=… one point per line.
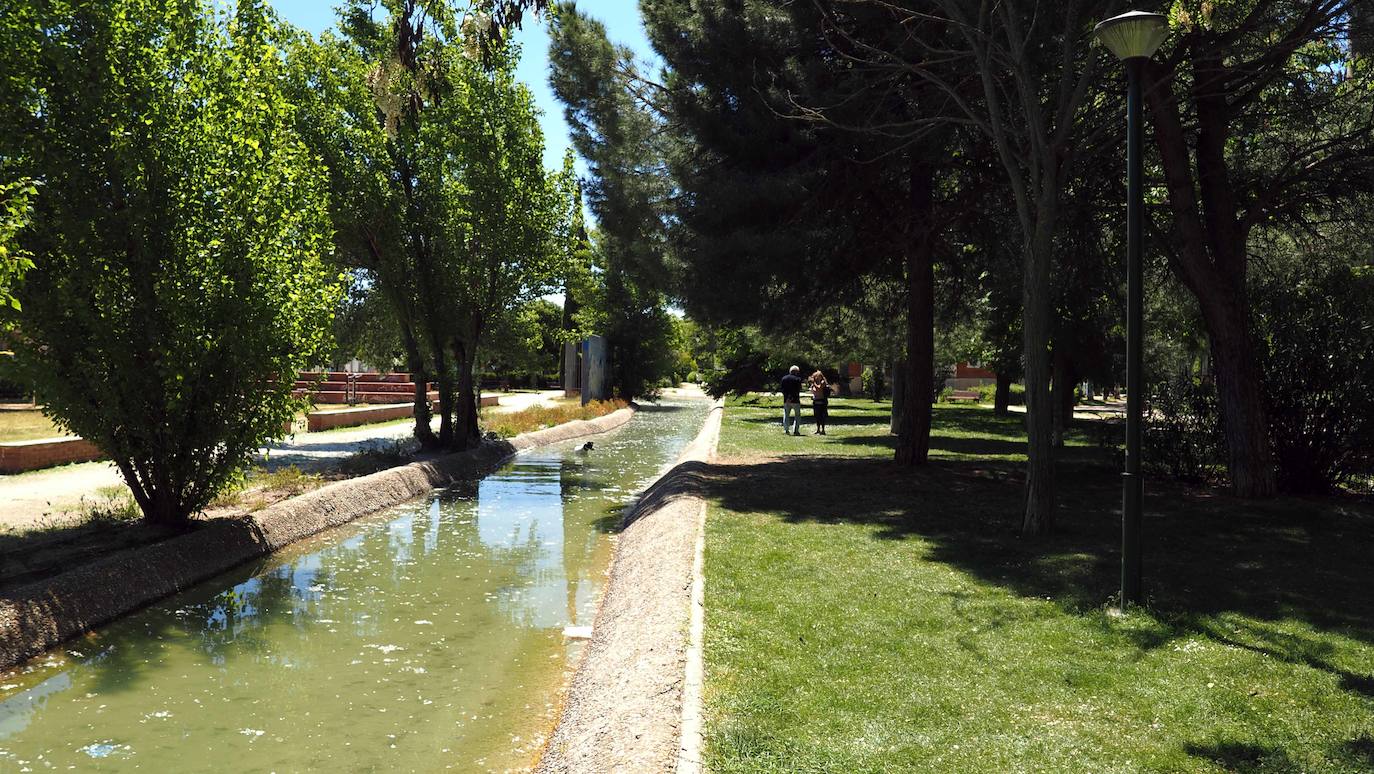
x=444, y=376
x=157, y=507
x=1244, y=420
x=567, y=323
x=1001, y=402
x=1361, y=31
x=899, y=395
x=1212, y=263
x=419, y=374
x=913, y=437
x=166, y=512
x=159, y=504
x=1038, y=518
x=467, y=432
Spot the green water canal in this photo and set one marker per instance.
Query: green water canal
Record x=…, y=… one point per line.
x=427, y=637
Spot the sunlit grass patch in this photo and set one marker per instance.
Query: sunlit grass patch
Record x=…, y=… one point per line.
x=24, y=425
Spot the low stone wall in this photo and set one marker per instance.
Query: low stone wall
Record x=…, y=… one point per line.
x=317, y=421
x=625, y=709
x=38, y=616
x=21, y=456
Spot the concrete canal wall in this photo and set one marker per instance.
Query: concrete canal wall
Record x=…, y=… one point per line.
x=634, y=701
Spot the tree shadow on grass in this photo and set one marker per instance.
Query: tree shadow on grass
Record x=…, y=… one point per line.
x=808, y=418
x=1206, y=555
x=1360, y=751
x=1243, y=757
x=1252, y=758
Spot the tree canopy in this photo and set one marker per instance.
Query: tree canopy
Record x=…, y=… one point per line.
x=179, y=238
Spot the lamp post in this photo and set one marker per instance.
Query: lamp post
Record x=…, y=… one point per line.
x=1133, y=37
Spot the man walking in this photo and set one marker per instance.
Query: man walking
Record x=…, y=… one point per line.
x=791, y=401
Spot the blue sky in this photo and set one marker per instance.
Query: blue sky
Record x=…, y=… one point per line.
x=621, y=18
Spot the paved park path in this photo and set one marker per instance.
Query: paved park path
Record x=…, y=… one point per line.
x=45, y=497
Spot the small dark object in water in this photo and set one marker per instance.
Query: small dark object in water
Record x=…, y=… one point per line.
x=586, y=447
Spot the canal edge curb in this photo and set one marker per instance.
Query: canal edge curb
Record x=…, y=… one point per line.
x=634, y=700
x=39, y=616
x=691, y=734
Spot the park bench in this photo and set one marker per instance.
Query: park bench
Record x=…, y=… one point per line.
x=958, y=395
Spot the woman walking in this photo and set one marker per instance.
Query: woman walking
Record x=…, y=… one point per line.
x=820, y=401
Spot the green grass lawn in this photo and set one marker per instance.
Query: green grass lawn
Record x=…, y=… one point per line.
x=23, y=425
x=863, y=617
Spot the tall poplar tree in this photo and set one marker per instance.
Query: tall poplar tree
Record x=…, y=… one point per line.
x=440, y=196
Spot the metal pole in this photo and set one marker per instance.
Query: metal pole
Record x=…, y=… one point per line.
x=1132, y=485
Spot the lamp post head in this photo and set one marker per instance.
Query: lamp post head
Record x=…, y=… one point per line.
x=1133, y=34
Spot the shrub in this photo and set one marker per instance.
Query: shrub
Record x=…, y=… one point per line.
x=1315, y=340
x=540, y=417
x=873, y=382
x=12, y=391
x=1316, y=345
x=378, y=456
x=942, y=375
x=1182, y=432
x=178, y=239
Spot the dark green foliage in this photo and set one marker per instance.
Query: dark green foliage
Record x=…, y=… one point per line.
x=1315, y=333
x=15, y=210
x=178, y=239
x=523, y=346
x=782, y=210
x=365, y=326
x=742, y=364
x=749, y=361
x=1316, y=345
x=1182, y=436
x=639, y=333
x=873, y=382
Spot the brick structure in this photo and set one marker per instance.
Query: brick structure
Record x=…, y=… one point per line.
x=966, y=377
x=339, y=387
x=21, y=456
x=363, y=415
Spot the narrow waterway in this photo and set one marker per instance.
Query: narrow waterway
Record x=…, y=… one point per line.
x=429, y=636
